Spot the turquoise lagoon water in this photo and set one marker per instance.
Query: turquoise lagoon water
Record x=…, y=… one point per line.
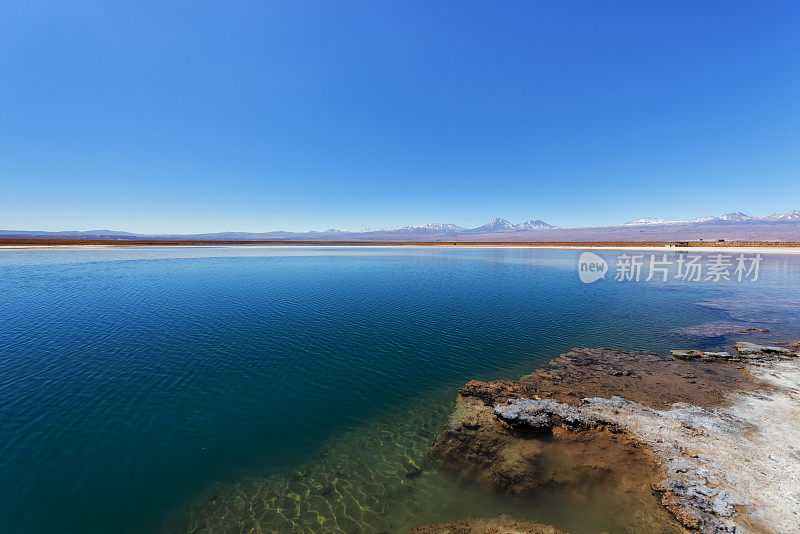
x=296, y=388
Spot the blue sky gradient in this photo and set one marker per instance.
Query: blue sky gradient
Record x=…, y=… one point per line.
x=257, y=116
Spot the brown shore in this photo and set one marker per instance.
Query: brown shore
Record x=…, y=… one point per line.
x=28, y=242
x=696, y=441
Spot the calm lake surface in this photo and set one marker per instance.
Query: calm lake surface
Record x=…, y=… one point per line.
x=142, y=387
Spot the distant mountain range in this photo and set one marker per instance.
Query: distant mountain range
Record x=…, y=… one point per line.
x=728, y=217
x=730, y=226
x=495, y=225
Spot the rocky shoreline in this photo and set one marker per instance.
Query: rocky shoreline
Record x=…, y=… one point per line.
x=696, y=441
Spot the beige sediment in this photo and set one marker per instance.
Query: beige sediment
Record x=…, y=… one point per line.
x=764, y=468
x=491, y=525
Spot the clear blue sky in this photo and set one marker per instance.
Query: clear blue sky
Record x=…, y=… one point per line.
x=199, y=116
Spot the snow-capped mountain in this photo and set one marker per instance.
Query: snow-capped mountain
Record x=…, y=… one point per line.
x=497, y=224
x=503, y=225
x=428, y=227
x=651, y=220
x=537, y=224
x=793, y=215
x=736, y=216
x=494, y=226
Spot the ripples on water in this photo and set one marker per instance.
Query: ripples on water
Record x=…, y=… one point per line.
x=177, y=389
x=376, y=478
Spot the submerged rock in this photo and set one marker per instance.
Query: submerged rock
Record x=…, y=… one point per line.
x=492, y=525
x=719, y=329
x=689, y=355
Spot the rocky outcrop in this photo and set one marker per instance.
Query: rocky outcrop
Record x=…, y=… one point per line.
x=743, y=351
x=492, y=525
x=545, y=414
x=752, y=351
x=696, y=502
x=689, y=355
x=476, y=444
x=713, y=440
